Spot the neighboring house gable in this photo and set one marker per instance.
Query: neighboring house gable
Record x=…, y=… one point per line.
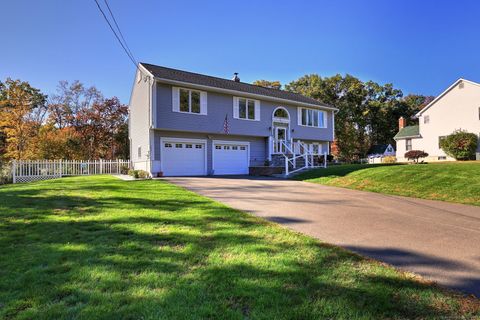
x=381, y=150
x=457, y=108
x=377, y=152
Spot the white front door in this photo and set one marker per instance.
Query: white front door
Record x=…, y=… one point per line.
x=183, y=158
x=280, y=136
x=230, y=157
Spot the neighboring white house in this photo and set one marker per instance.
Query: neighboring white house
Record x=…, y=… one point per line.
x=379, y=151
x=457, y=108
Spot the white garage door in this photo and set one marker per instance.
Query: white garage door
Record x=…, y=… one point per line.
x=230, y=158
x=183, y=158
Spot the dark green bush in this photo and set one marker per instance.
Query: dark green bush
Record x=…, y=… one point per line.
x=460, y=145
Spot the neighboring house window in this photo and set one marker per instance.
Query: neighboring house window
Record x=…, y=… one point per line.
x=440, y=141
x=247, y=109
x=408, y=144
x=313, y=118
x=389, y=149
x=426, y=119
x=139, y=152
x=189, y=101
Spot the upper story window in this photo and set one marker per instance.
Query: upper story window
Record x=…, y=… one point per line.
x=426, y=119
x=247, y=109
x=189, y=101
x=408, y=144
x=478, y=113
x=312, y=118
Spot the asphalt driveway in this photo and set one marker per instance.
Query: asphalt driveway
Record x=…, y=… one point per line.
x=438, y=240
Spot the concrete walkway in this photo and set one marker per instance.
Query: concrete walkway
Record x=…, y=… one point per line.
x=438, y=240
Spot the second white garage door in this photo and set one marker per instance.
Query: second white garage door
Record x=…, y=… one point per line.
x=230, y=157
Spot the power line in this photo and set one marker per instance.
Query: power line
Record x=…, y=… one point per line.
x=116, y=35
x=119, y=30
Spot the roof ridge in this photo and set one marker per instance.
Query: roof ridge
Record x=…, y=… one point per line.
x=214, y=77
x=265, y=89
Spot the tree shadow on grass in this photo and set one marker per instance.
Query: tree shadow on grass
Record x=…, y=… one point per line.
x=155, y=251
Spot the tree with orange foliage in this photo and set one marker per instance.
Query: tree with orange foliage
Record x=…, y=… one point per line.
x=22, y=112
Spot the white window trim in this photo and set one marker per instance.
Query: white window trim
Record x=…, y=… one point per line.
x=164, y=140
x=325, y=118
x=236, y=108
x=230, y=142
x=176, y=101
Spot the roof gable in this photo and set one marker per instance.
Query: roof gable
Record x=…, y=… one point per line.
x=441, y=95
x=379, y=148
x=164, y=73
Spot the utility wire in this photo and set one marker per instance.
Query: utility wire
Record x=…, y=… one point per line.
x=116, y=35
x=119, y=30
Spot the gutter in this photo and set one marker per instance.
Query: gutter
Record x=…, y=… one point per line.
x=407, y=137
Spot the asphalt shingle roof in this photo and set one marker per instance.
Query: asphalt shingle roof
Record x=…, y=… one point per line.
x=200, y=79
x=408, y=132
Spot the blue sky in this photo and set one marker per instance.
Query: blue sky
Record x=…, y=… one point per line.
x=419, y=46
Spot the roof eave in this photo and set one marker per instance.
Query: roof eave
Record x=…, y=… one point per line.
x=406, y=137
x=246, y=94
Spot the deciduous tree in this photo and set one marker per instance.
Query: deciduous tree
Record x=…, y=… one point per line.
x=268, y=84
x=22, y=112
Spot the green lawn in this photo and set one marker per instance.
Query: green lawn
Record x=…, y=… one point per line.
x=446, y=181
x=98, y=247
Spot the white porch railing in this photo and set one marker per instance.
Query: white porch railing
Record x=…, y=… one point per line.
x=34, y=170
x=295, y=150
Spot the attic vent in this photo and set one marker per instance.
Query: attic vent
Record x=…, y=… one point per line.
x=461, y=85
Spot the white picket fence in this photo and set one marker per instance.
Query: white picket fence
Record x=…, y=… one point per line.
x=34, y=170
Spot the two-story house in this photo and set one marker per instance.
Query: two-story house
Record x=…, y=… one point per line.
x=457, y=108
x=184, y=123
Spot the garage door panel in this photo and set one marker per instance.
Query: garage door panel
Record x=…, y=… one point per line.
x=183, y=158
x=230, y=158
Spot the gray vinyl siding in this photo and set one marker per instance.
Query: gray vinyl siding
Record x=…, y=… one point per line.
x=258, y=145
x=220, y=105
